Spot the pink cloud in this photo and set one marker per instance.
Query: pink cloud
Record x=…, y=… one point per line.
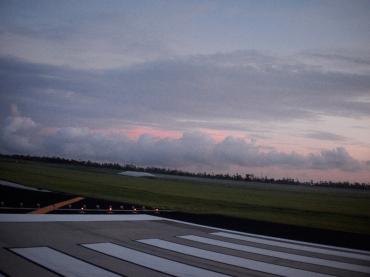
x=137, y=132
x=220, y=135
x=206, y=150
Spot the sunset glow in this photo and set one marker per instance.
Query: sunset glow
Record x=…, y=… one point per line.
x=216, y=86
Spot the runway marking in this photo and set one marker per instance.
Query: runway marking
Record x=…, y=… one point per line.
x=150, y=261
x=55, y=206
x=274, y=238
x=295, y=246
x=74, y=217
x=304, y=243
x=278, y=254
x=231, y=260
x=61, y=263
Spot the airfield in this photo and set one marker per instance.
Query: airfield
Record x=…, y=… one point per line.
x=47, y=229
x=70, y=241
x=145, y=245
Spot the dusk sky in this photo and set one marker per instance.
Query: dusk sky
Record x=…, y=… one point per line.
x=276, y=88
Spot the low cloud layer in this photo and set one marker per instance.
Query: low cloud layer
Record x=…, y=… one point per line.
x=230, y=89
x=192, y=150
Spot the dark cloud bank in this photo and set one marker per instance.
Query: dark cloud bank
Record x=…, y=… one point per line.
x=239, y=86
x=22, y=135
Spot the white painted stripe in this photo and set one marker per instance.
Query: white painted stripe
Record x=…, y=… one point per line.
x=309, y=244
x=74, y=217
x=62, y=263
x=295, y=246
x=232, y=260
x=273, y=238
x=281, y=255
x=153, y=262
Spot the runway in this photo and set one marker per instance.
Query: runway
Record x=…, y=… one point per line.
x=146, y=245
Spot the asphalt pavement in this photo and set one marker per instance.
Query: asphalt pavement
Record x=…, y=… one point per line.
x=145, y=245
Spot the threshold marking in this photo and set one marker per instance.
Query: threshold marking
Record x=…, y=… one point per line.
x=295, y=246
x=275, y=238
x=56, y=206
x=150, y=261
x=231, y=260
x=303, y=243
x=278, y=254
x=61, y=263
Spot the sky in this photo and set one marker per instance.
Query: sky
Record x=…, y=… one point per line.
x=272, y=88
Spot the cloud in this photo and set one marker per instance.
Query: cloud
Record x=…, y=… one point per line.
x=342, y=56
x=106, y=34
x=320, y=135
x=232, y=88
x=17, y=134
x=193, y=150
x=14, y=110
x=95, y=36
x=335, y=158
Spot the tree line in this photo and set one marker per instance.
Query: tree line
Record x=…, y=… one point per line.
x=158, y=170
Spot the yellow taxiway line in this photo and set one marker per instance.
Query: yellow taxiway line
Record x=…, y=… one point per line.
x=50, y=208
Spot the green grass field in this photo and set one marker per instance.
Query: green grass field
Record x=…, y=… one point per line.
x=326, y=208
